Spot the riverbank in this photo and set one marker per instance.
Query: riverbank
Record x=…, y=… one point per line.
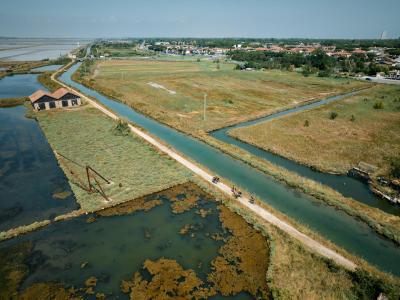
x=11, y=102
x=384, y=224
x=357, y=132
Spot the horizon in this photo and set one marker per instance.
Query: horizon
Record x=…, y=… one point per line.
x=288, y=19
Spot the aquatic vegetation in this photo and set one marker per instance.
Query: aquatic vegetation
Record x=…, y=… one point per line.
x=184, y=280
x=48, y=291
x=237, y=268
x=13, y=269
x=169, y=281
x=129, y=207
x=61, y=195
x=181, y=202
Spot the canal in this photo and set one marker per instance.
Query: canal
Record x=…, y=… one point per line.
x=346, y=185
x=354, y=236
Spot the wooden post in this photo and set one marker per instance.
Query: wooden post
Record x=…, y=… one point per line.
x=88, y=178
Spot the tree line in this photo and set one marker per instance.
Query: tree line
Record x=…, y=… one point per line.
x=316, y=62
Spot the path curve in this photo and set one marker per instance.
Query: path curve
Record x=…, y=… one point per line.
x=258, y=210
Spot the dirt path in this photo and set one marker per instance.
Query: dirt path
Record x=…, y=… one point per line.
x=258, y=210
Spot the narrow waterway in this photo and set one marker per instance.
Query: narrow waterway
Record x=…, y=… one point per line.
x=355, y=236
x=32, y=185
x=346, y=185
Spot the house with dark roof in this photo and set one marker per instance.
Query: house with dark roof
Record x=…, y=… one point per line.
x=61, y=98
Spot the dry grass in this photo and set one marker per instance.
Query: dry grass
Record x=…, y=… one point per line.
x=233, y=96
x=87, y=136
x=373, y=136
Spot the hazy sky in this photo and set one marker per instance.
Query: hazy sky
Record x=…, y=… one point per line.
x=200, y=18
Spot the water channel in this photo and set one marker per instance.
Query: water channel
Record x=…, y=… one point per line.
x=346, y=185
x=354, y=236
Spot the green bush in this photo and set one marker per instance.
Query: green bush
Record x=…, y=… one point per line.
x=333, y=115
x=368, y=287
x=378, y=105
x=395, y=167
x=121, y=128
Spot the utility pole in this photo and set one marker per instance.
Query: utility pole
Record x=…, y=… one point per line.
x=205, y=106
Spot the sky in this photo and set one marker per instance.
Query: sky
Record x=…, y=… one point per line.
x=200, y=18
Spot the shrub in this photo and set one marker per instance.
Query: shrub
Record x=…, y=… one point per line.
x=121, y=128
x=378, y=105
x=395, y=167
x=367, y=286
x=333, y=115
x=306, y=123
x=353, y=118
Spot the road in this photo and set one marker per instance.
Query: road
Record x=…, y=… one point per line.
x=256, y=209
x=380, y=80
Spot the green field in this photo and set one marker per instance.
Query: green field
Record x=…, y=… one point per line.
x=88, y=137
x=177, y=94
x=359, y=133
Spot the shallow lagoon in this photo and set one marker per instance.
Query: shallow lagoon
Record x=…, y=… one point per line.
x=112, y=248
x=32, y=185
x=16, y=86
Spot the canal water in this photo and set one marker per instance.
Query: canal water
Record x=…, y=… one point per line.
x=354, y=236
x=32, y=185
x=113, y=248
x=346, y=185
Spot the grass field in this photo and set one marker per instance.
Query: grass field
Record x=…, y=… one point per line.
x=88, y=137
x=359, y=133
x=233, y=95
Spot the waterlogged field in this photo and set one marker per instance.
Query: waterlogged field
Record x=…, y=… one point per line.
x=85, y=136
x=175, y=243
x=173, y=91
x=180, y=243
x=365, y=128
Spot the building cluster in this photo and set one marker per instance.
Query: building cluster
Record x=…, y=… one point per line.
x=186, y=48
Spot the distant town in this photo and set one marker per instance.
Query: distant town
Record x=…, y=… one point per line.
x=379, y=57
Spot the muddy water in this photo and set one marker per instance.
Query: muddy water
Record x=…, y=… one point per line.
x=30, y=178
x=112, y=248
x=354, y=236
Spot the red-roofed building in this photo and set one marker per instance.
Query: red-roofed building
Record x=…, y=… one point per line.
x=42, y=100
